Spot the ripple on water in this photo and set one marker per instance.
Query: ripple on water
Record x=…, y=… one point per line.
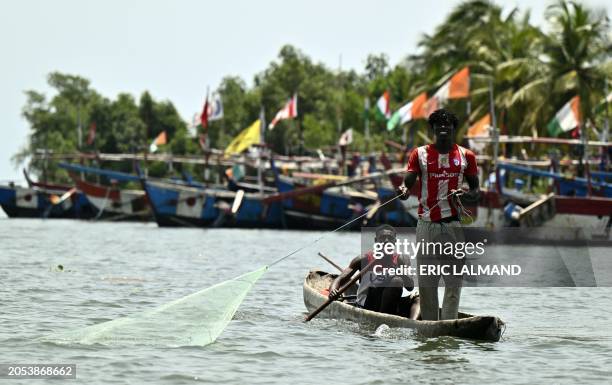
x=267, y=342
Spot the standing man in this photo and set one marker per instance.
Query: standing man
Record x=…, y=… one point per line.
x=442, y=168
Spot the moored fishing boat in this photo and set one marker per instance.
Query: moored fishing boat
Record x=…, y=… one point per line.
x=486, y=328
x=325, y=209
x=176, y=204
x=114, y=203
x=39, y=202
x=394, y=214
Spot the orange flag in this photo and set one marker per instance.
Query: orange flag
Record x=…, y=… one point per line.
x=481, y=127
x=418, y=106
x=457, y=87
x=161, y=139
x=459, y=84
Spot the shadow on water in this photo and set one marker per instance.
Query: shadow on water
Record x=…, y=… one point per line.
x=427, y=350
x=451, y=343
x=445, y=350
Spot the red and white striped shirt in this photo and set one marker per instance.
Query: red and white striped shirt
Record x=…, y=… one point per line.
x=439, y=175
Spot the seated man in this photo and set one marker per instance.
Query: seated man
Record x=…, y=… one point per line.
x=379, y=290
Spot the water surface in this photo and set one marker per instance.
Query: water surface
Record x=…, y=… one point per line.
x=553, y=335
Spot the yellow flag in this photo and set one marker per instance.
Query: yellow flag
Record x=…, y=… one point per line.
x=248, y=136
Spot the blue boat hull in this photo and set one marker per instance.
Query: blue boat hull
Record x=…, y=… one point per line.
x=324, y=210
x=20, y=202
x=179, y=205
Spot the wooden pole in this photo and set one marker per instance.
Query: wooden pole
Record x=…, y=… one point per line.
x=334, y=264
x=366, y=108
x=585, y=157
x=315, y=189
x=606, y=131
x=495, y=135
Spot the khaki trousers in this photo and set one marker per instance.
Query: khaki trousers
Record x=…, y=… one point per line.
x=428, y=284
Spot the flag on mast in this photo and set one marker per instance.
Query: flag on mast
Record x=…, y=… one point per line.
x=215, y=108
x=193, y=126
x=457, y=87
x=289, y=111
x=409, y=111
x=383, y=104
x=248, y=136
x=204, y=114
x=346, y=138
x=160, y=140
x=480, y=129
x=567, y=118
x=91, y=136
x=211, y=111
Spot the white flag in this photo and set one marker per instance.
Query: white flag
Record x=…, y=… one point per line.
x=192, y=129
x=346, y=138
x=215, y=108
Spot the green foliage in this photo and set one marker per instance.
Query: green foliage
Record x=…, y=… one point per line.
x=122, y=125
x=533, y=72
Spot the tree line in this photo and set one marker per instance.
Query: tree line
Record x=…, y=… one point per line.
x=533, y=70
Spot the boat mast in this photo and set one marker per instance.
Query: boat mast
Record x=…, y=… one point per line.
x=262, y=141
x=366, y=107
x=495, y=133
x=582, y=128
x=339, y=106
x=606, y=131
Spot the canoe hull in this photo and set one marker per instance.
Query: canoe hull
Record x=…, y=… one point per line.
x=485, y=328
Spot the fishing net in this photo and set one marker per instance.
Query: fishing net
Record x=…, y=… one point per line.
x=195, y=320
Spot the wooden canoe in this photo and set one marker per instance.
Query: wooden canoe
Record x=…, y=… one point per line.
x=487, y=328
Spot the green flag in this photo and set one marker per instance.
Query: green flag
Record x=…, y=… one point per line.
x=394, y=121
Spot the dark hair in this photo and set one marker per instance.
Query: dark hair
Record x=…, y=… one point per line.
x=381, y=228
x=442, y=116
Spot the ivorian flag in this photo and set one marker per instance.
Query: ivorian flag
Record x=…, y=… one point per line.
x=457, y=87
x=161, y=139
x=409, y=111
x=384, y=105
x=567, y=118
x=289, y=111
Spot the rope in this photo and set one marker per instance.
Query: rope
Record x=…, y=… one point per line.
x=461, y=209
x=331, y=232
x=437, y=203
x=454, y=192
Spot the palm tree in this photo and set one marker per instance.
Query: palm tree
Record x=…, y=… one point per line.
x=575, y=61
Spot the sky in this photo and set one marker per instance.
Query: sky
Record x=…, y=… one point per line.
x=175, y=49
